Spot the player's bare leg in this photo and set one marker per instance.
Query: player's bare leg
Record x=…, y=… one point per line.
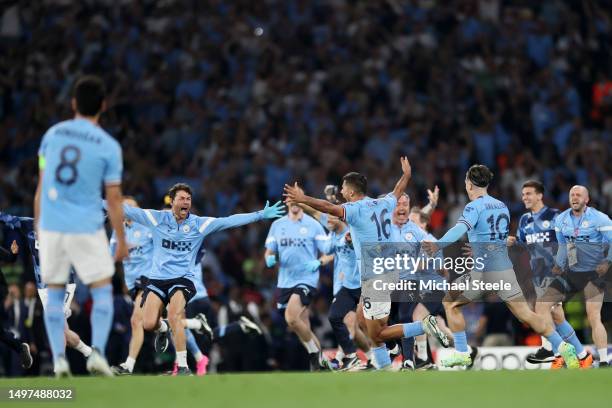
x=297, y=318
x=594, y=300
x=74, y=341
x=175, y=309
x=136, y=340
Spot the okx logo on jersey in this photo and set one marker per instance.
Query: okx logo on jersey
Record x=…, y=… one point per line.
x=177, y=246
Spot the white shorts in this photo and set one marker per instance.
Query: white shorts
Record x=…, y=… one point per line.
x=89, y=254
x=508, y=277
x=376, y=310
x=70, y=288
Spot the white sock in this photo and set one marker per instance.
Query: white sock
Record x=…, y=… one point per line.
x=421, y=349
x=163, y=326
x=311, y=346
x=546, y=344
x=582, y=354
x=83, y=348
x=181, y=358
x=395, y=349
x=339, y=354
x=603, y=354
x=369, y=355
x=129, y=364
x=193, y=324
x=198, y=356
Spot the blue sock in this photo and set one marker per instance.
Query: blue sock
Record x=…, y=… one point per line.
x=192, y=345
x=555, y=340
x=413, y=329
x=381, y=356
x=408, y=348
x=101, y=316
x=55, y=321
x=566, y=331
x=461, y=341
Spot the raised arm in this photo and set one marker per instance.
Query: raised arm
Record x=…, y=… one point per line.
x=295, y=194
x=433, y=201
x=402, y=183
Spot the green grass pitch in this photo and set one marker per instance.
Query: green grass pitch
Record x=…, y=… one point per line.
x=494, y=389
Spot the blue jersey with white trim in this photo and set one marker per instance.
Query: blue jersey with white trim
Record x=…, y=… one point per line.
x=591, y=234
x=175, y=245
x=537, y=231
x=140, y=246
x=488, y=221
x=369, y=221
x=297, y=243
x=77, y=158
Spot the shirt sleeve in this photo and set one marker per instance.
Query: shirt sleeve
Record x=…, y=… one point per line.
x=389, y=201
x=149, y=218
x=469, y=217
x=114, y=167
x=208, y=225
x=605, y=228
x=322, y=240
x=351, y=212
x=453, y=234
x=271, y=243
x=323, y=219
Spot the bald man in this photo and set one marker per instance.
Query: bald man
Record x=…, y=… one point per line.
x=583, y=234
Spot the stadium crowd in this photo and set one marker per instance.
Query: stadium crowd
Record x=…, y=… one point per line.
x=238, y=98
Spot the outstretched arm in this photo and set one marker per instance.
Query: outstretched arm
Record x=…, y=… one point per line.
x=295, y=194
x=211, y=224
x=402, y=183
x=311, y=211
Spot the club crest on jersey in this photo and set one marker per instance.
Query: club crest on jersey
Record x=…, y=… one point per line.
x=409, y=236
x=546, y=224
x=186, y=228
x=585, y=224
x=303, y=230
x=137, y=234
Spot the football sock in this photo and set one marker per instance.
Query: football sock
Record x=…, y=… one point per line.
x=101, y=316
x=566, y=331
x=413, y=329
x=83, y=348
x=381, y=357
x=546, y=344
x=55, y=320
x=421, y=346
x=603, y=354
x=129, y=364
x=181, y=358
x=460, y=341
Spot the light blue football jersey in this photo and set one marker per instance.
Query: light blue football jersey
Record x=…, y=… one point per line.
x=369, y=222
x=591, y=234
x=176, y=246
x=140, y=246
x=77, y=158
x=488, y=221
x=296, y=243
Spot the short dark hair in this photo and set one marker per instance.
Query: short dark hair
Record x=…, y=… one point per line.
x=179, y=187
x=89, y=92
x=479, y=175
x=538, y=186
x=359, y=182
